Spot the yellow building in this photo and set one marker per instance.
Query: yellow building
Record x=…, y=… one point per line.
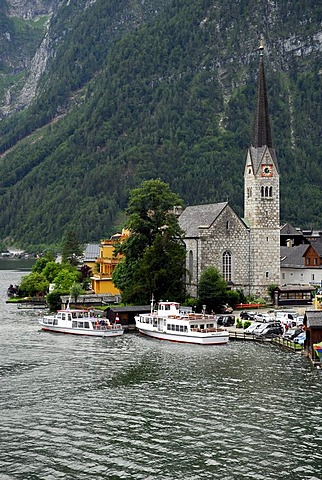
x=317, y=302
x=106, y=262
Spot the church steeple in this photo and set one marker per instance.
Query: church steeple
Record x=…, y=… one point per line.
x=262, y=135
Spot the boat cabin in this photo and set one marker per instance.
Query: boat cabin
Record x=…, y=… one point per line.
x=167, y=309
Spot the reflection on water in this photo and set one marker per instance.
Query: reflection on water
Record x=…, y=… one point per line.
x=135, y=408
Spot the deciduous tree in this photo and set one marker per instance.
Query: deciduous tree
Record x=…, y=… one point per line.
x=154, y=253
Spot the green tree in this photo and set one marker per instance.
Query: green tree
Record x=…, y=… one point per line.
x=42, y=262
x=212, y=289
x=33, y=284
x=65, y=279
x=154, y=253
x=76, y=290
x=71, y=248
x=51, y=270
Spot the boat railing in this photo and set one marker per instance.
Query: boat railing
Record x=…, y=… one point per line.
x=207, y=330
x=114, y=326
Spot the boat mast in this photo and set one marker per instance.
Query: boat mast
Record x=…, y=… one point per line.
x=152, y=303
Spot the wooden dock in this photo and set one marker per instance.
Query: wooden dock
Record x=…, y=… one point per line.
x=240, y=334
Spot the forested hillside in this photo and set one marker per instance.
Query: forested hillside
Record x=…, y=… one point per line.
x=163, y=89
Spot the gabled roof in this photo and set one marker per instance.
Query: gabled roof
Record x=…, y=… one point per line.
x=288, y=229
x=313, y=318
x=92, y=252
x=317, y=245
x=292, y=257
x=199, y=215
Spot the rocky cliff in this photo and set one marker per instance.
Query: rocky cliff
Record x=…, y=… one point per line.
x=24, y=40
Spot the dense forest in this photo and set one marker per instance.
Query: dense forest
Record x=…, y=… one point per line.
x=137, y=90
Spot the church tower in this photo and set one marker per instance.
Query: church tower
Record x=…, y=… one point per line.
x=261, y=197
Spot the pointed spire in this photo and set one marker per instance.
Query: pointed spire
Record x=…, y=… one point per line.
x=262, y=128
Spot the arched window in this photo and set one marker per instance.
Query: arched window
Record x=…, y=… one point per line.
x=190, y=266
x=266, y=192
x=226, y=266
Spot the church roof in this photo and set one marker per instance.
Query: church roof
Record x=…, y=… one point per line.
x=196, y=216
x=262, y=135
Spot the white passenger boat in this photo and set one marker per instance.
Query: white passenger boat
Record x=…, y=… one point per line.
x=168, y=322
x=80, y=322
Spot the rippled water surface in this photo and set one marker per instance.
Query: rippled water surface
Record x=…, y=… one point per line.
x=134, y=408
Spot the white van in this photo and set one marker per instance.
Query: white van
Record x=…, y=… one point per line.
x=286, y=317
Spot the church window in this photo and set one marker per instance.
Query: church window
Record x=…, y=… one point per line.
x=315, y=261
x=266, y=239
x=313, y=278
x=307, y=261
x=226, y=263
x=190, y=266
x=227, y=225
x=249, y=192
x=266, y=192
x=283, y=276
x=266, y=274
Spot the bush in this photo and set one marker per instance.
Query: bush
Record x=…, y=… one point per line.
x=239, y=323
x=246, y=324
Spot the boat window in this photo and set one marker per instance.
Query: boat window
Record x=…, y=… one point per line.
x=74, y=324
x=167, y=307
x=168, y=327
x=74, y=315
x=80, y=324
x=59, y=315
x=185, y=328
x=86, y=324
x=210, y=325
x=173, y=327
x=202, y=326
x=69, y=317
x=177, y=328
x=55, y=321
x=181, y=328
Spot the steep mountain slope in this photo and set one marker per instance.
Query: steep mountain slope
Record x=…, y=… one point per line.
x=160, y=89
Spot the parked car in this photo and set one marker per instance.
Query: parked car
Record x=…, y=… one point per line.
x=300, y=339
x=252, y=328
x=226, y=320
x=263, y=317
x=225, y=309
x=292, y=333
x=269, y=329
x=247, y=315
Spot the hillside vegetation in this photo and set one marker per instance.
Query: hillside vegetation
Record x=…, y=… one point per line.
x=161, y=89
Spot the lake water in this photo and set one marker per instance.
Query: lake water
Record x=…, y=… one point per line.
x=134, y=408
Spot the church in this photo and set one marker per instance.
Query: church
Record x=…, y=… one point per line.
x=245, y=250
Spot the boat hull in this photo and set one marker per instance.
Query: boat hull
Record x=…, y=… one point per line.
x=84, y=332
x=216, y=338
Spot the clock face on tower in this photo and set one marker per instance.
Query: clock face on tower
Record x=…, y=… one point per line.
x=267, y=170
